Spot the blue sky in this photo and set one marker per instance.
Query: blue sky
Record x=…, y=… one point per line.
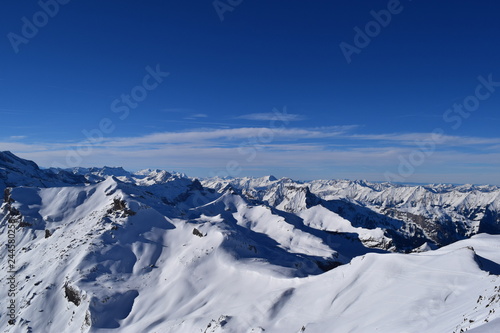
x=266, y=90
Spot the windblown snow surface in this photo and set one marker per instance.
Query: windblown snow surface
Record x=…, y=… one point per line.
x=105, y=250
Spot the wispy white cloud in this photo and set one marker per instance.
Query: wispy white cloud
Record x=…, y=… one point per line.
x=416, y=138
x=176, y=110
x=12, y=111
x=196, y=116
x=22, y=147
x=322, y=137
x=209, y=136
x=284, y=117
x=266, y=149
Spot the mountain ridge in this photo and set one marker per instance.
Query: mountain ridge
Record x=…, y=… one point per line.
x=158, y=251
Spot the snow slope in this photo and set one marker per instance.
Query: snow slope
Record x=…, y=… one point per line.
x=158, y=252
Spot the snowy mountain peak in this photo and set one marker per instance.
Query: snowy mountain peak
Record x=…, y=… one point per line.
x=98, y=249
x=15, y=171
x=110, y=171
x=10, y=161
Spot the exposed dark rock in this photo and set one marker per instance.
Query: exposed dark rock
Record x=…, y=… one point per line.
x=72, y=294
x=6, y=195
x=121, y=206
x=196, y=232
x=196, y=185
x=490, y=223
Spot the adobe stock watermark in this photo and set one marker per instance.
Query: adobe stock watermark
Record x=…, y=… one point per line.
x=30, y=27
x=223, y=6
x=363, y=37
x=453, y=116
x=120, y=106
x=11, y=272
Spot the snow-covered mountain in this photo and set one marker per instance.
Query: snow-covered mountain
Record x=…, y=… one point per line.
x=411, y=216
x=15, y=171
x=107, y=250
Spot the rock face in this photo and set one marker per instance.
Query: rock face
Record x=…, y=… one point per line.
x=155, y=251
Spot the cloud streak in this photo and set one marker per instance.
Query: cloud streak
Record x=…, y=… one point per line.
x=286, y=117
x=196, y=116
x=332, y=152
x=228, y=136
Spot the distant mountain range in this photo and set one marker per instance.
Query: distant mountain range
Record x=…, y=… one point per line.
x=107, y=250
